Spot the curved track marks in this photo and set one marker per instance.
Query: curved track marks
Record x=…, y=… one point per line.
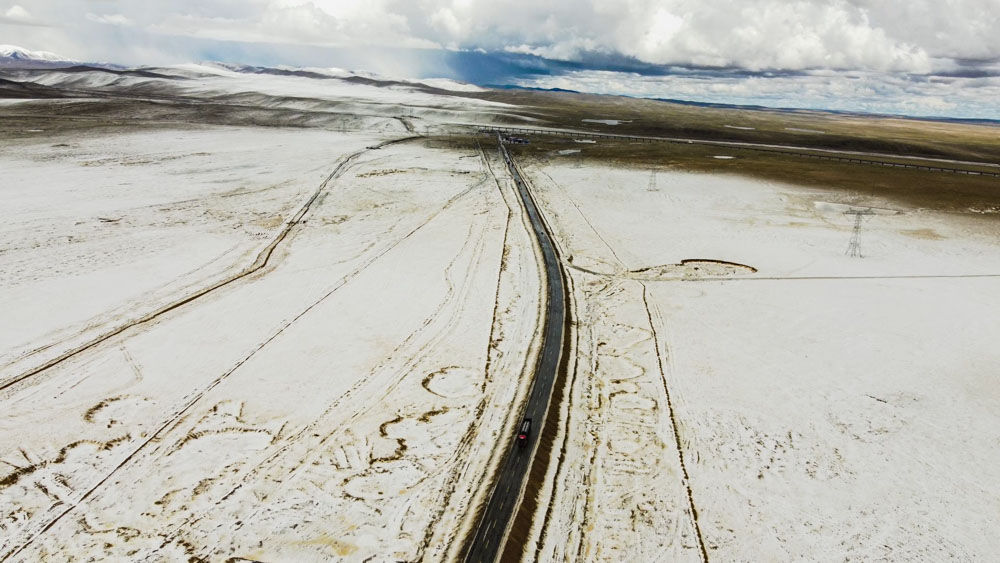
x=613, y=420
x=298, y=450
x=179, y=412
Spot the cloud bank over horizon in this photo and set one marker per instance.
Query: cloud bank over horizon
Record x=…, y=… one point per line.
x=753, y=34
x=880, y=41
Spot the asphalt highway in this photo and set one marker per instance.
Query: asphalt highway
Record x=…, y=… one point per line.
x=491, y=533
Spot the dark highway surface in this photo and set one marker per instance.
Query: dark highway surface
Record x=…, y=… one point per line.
x=489, y=539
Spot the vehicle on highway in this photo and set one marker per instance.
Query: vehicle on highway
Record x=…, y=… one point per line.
x=510, y=140
x=523, y=432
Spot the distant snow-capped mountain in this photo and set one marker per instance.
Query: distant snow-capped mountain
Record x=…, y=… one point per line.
x=19, y=57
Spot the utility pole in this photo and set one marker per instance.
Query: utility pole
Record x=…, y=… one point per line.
x=854, y=247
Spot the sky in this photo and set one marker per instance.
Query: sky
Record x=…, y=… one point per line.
x=917, y=57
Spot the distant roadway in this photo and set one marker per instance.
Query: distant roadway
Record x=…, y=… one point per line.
x=804, y=151
x=489, y=539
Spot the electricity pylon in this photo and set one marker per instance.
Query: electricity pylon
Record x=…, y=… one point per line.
x=854, y=247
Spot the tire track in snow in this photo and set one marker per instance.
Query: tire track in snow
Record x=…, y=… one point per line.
x=176, y=417
x=673, y=422
x=609, y=280
x=591, y=475
x=473, y=429
x=292, y=441
x=586, y=220
x=593, y=345
x=262, y=261
x=503, y=250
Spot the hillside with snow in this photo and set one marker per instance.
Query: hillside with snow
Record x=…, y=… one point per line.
x=12, y=56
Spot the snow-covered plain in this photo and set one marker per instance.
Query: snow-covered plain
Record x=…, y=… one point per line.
x=355, y=320
x=822, y=407
x=152, y=215
x=342, y=401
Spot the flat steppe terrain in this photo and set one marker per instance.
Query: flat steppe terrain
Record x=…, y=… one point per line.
x=283, y=317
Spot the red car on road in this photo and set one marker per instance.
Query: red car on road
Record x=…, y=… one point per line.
x=523, y=432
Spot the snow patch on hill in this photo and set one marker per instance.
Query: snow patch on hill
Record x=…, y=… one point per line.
x=12, y=55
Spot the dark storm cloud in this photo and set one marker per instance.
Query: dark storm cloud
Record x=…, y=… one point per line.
x=659, y=48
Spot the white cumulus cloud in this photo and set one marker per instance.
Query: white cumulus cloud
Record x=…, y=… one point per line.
x=17, y=12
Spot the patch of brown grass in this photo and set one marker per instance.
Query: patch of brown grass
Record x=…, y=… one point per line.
x=918, y=188
x=894, y=135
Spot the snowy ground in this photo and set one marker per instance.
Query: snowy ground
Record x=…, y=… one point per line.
x=825, y=407
x=342, y=401
x=103, y=230
x=303, y=344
